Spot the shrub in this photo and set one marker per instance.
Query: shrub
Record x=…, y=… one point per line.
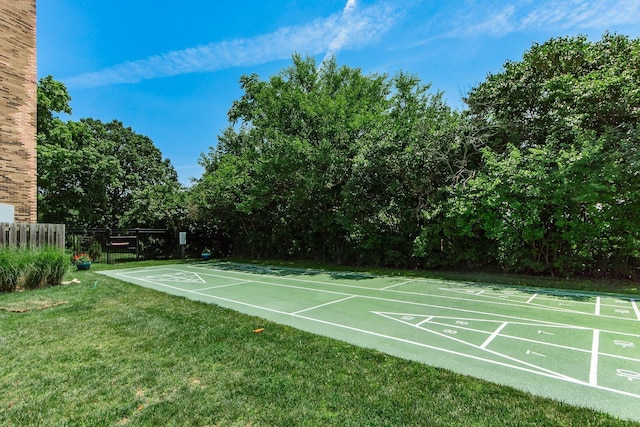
x=9, y=271
x=45, y=269
x=31, y=269
x=58, y=266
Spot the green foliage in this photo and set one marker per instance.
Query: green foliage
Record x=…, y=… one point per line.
x=326, y=163
x=52, y=98
x=83, y=258
x=95, y=251
x=540, y=174
x=45, y=268
x=31, y=268
x=91, y=174
x=162, y=205
x=559, y=188
x=10, y=266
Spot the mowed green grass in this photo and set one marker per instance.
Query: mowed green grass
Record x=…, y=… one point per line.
x=111, y=353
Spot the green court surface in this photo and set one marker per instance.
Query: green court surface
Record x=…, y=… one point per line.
x=581, y=348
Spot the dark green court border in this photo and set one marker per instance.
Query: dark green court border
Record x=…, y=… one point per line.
x=582, y=348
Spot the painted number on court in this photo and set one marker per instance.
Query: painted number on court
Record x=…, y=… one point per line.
x=630, y=375
x=624, y=344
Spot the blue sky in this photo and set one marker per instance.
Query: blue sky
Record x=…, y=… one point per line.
x=170, y=70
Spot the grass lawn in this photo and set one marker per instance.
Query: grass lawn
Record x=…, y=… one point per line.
x=103, y=352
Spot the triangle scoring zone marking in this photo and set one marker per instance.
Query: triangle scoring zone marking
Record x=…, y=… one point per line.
x=180, y=277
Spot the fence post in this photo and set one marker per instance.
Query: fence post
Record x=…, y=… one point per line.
x=137, y=244
x=108, y=245
x=33, y=235
x=61, y=235
x=3, y=234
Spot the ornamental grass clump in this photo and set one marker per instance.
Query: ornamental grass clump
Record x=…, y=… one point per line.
x=45, y=269
x=31, y=268
x=9, y=270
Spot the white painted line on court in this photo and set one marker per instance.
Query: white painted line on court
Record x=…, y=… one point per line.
x=223, y=286
x=531, y=299
x=396, y=285
x=536, y=369
x=595, y=347
x=324, y=305
x=635, y=308
x=616, y=356
x=428, y=319
x=534, y=306
x=212, y=275
x=598, y=302
x=460, y=326
x=205, y=295
x=495, y=315
x=493, y=335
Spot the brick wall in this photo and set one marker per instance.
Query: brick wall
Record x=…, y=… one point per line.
x=18, y=181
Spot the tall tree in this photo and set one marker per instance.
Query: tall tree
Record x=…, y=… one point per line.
x=560, y=182
x=325, y=162
x=89, y=172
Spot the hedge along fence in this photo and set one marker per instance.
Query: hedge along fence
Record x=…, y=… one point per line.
x=31, y=235
x=22, y=268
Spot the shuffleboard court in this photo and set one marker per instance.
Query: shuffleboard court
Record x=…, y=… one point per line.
x=581, y=348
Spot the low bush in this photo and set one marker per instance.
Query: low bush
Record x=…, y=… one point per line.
x=9, y=270
x=31, y=268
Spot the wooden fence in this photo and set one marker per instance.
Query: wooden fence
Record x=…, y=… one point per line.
x=23, y=234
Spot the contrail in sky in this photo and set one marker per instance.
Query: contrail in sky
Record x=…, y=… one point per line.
x=344, y=30
x=343, y=36
x=359, y=25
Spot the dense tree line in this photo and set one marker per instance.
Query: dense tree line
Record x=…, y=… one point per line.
x=540, y=173
x=559, y=186
x=95, y=174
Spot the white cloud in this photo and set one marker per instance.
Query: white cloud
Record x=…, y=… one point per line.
x=583, y=14
x=501, y=18
x=353, y=27
x=497, y=24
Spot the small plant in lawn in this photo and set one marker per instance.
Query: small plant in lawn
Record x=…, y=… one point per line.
x=83, y=258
